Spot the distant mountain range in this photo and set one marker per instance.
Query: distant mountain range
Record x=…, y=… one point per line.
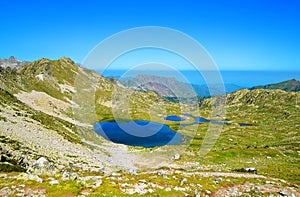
x=290, y=86
x=171, y=87
x=164, y=86
x=12, y=63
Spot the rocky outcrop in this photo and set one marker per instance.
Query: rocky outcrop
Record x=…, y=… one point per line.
x=12, y=63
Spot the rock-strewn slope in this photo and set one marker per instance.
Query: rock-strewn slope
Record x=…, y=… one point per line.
x=37, y=133
x=39, y=117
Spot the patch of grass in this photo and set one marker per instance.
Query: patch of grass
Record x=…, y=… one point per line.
x=69, y=188
x=4, y=119
x=11, y=168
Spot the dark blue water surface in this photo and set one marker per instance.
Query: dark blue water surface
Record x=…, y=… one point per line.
x=174, y=118
x=200, y=120
x=138, y=133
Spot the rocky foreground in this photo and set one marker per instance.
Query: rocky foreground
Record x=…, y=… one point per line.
x=44, y=178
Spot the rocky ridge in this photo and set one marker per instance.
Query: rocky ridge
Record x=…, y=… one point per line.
x=292, y=85
x=12, y=63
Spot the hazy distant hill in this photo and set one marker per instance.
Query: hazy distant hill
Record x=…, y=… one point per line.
x=290, y=86
x=171, y=87
x=202, y=90
x=164, y=86
x=12, y=63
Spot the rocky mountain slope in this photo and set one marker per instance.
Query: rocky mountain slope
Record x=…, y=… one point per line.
x=12, y=63
x=36, y=112
x=290, y=86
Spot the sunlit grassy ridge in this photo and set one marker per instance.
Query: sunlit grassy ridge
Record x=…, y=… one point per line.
x=291, y=86
x=46, y=75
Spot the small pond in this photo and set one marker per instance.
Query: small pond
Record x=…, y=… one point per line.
x=174, y=118
x=138, y=133
x=200, y=120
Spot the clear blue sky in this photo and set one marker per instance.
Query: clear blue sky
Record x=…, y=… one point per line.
x=239, y=34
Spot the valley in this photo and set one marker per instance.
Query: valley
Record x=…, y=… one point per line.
x=49, y=147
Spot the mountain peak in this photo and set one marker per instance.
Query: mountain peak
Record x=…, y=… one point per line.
x=13, y=59
x=61, y=70
x=66, y=60
x=12, y=63
x=62, y=60
x=43, y=60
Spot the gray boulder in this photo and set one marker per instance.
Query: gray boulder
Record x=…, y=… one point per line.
x=41, y=162
x=176, y=156
x=43, y=167
x=54, y=182
x=69, y=176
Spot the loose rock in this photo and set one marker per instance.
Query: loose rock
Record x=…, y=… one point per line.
x=176, y=157
x=54, y=182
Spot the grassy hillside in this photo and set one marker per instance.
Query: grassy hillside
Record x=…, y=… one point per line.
x=290, y=86
x=47, y=75
x=269, y=143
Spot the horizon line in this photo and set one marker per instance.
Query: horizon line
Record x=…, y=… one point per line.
x=222, y=70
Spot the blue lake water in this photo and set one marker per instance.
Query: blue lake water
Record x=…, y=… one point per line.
x=218, y=122
x=174, y=118
x=200, y=120
x=138, y=133
x=244, y=125
x=197, y=120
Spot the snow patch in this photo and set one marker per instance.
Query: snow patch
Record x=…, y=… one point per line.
x=40, y=77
